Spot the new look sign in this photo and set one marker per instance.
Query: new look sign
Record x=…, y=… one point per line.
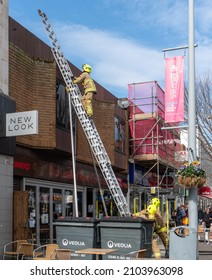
x=23, y=123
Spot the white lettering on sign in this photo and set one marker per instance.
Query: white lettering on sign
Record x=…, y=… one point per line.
x=112, y=244
x=23, y=123
x=66, y=242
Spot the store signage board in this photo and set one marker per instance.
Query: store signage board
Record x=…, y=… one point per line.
x=22, y=123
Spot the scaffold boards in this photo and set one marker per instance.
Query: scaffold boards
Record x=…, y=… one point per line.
x=88, y=127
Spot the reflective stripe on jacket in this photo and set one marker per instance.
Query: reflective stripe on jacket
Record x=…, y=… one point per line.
x=159, y=230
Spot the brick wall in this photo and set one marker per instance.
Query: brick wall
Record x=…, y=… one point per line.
x=104, y=120
x=32, y=83
x=33, y=86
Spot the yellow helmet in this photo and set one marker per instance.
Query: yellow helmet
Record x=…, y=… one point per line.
x=155, y=201
x=86, y=68
x=151, y=211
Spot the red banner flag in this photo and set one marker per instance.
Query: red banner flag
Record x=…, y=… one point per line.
x=174, y=89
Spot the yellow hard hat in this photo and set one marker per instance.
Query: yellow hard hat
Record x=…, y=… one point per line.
x=86, y=68
x=155, y=201
x=151, y=209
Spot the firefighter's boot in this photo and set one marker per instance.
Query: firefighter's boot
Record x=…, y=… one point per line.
x=155, y=248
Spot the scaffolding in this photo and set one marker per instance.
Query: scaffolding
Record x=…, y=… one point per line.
x=153, y=150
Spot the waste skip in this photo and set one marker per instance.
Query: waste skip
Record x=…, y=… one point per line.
x=127, y=235
x=76, y=234
x=182, y=243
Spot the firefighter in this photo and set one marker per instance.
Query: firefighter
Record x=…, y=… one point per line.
x=156, y=201
x=89, y=89
x=153, y=213
x=149, y=214
x=160, y=227
x=152, y=210
x=161, y=231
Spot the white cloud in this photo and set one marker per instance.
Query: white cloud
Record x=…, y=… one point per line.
x=116, y=61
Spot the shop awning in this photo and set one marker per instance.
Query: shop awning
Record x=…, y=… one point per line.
x=205, y=192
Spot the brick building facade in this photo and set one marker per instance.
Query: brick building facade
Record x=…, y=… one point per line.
x=43, y=175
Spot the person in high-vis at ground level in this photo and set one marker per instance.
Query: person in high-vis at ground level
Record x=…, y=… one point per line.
x=156, y=201
x=160, y=229
x=153, y=213
x=89, y=89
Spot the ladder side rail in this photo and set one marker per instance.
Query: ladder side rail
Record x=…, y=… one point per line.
x=111, y=188
x=102, y=169
x=115, y=184
x=91, y=133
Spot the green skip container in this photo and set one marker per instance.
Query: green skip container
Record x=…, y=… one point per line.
x=77, y=234
x=126, y=235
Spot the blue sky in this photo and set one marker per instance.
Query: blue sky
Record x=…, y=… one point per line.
x=122, y=39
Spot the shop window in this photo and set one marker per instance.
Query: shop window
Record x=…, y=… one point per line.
x=63, y=114
x=69, y=203
x=32, y=207
x=90, y=203
x=57, y=204
x=80, y=202
x=44, y=215
x=119, y=135
x=69, y=198
x=31, y=212
x=105, y=205
x=44, y=208
x=57, y=208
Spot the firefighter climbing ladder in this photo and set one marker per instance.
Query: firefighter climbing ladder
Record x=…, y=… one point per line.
x=89, y=128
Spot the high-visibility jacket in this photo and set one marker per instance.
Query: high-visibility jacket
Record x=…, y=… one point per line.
x=159, y=230
x=87, y=82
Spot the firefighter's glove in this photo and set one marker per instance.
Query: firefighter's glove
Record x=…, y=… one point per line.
x=68, y=90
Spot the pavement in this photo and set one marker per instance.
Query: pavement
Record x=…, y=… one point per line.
x=205, y=251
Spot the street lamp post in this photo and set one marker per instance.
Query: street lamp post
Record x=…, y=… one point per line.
x=192, y=207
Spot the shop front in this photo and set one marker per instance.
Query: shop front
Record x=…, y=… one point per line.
x=46, y=202
x=44, y=191
x=40, y=203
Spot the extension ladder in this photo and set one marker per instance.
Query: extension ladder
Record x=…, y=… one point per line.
x=88, y=126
